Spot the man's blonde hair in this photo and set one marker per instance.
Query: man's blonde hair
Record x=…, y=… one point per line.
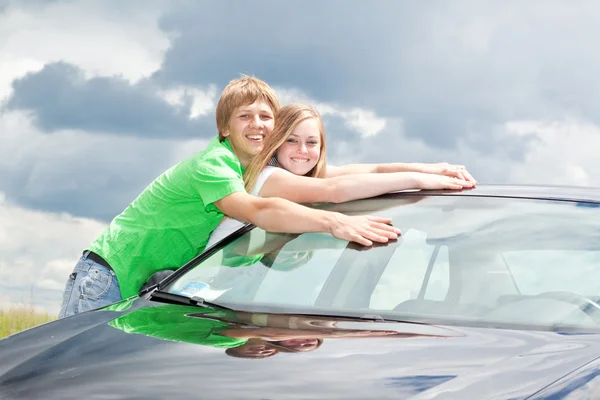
x=241, y=92
x=286, y=120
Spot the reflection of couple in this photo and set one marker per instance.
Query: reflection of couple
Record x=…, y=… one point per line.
x=242, y=334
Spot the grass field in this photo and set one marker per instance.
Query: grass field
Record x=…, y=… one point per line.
x=18, y=318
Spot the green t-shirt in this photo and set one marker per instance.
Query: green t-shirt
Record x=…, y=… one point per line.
x=170, y=222
x=170, y=322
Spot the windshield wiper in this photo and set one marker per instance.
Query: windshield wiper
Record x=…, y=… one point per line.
x=184, y=300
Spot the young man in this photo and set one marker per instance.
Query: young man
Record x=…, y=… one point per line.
x=169, y=223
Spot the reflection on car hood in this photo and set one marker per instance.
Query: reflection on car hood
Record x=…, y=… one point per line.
x=140, y=349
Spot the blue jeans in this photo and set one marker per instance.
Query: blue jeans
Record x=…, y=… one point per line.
x=90, y=286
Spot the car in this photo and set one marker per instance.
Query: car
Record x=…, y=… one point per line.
x=489, y=293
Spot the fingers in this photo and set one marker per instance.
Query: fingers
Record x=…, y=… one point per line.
x=379, y=219
x=469, y=177
x=384, y=224
x=453, y=173
x=366, y=232
x=456, y=183
x=453, y=186
x=463, y=174
x=446, y=182
x=372, y=235
x=379, y=231
x=355, y=237
x=387, y=230
x=384, y=232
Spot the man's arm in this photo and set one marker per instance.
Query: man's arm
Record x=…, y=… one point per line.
x=279, y=215
x=456, y=171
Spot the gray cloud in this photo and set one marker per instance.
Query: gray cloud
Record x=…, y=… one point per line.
x=24, y=4
x=84, y=175
x=97, y=183
x=452, y=72
x=438, y=65
x=59, y=97
x=442, y=67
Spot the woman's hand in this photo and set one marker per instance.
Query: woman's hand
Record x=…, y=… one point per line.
x=455, y=171
x=434, y=181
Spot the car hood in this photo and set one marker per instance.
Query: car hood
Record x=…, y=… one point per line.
x=140, y=349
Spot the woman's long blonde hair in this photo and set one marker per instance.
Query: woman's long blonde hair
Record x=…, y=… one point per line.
x=286, y=120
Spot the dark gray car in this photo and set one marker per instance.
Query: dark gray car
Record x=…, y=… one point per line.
x=491, y=293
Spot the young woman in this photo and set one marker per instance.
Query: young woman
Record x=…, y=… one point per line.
x=292, y=165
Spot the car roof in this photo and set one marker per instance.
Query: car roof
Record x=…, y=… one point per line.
x=541, y=192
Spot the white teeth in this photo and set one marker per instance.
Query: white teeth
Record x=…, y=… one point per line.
x=257, y=137
x=301, y=160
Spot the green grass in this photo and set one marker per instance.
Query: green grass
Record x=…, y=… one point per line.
x=18, y=318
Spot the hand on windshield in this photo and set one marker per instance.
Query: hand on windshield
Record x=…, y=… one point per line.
x=455, y=171
x=363, y=229
x=432, y=182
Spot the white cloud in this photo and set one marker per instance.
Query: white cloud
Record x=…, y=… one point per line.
x=38, y=250
x=101, y=39
x=366, y=122
x=200, y=102
x=186, y=148
x=564, y=152
x=14, y=67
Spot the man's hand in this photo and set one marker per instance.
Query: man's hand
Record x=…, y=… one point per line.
x=434, y=182
x=363, y=229
x=455, y=171
x=279, y=215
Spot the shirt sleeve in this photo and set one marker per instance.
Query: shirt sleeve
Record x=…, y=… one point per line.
x=218, y=175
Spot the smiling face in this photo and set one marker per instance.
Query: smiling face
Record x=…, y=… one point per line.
x=247, y=128
x=297, y=143
x=301, y=150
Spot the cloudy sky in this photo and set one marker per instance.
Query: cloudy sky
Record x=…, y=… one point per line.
x=98, y=98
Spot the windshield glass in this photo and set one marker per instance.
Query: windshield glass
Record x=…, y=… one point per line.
x=460, y=260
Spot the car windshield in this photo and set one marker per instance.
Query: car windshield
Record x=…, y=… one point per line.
x=466, y=260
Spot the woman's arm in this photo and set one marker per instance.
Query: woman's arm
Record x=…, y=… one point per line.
x=457, y=171
x=351, y=169
x=302, y=189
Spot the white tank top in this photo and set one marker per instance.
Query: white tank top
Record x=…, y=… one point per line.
x=230, y=225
